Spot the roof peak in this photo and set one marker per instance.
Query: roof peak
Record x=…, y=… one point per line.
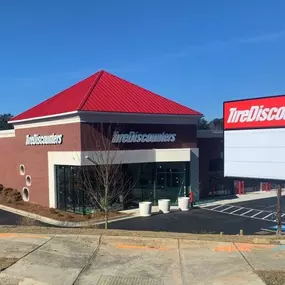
x=105, y=92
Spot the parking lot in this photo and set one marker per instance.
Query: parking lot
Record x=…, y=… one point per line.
x=253, y=217
x=7, y=218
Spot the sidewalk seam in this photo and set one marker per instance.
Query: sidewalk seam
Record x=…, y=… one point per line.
x=244, y=257
x=88, y=261
x=180, y=262
x=33, y=250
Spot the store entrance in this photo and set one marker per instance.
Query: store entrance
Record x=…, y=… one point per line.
x=150, y=182
x=156, y=181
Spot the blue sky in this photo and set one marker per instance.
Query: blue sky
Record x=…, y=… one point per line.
x=198, y=53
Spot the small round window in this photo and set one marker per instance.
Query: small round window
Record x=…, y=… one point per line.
x=28, y=180
x=22, y=169
x=26, y=194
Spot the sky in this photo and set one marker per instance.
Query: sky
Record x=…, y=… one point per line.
x=196, y=52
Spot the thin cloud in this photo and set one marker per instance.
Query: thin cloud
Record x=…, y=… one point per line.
x=262, y=38
x=226, y=43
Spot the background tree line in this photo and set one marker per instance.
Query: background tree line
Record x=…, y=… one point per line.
x=4, y=118
x=215, y=124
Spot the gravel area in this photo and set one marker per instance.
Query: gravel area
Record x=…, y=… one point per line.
x=272, y=277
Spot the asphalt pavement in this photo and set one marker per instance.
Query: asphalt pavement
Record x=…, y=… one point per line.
x=201, y=220
x=268, y=204
x=10, y=219
x=7, y=218
x=197, y=220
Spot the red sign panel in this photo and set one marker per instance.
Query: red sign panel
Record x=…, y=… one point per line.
x=257, y=113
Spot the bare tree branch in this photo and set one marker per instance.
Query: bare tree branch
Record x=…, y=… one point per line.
x=105, y=181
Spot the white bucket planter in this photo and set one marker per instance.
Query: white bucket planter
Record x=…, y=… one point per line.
x=145, y=209
x=183, y=203
x=164, y=205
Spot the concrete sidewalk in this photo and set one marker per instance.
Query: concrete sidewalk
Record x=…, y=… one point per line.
x=101, y=259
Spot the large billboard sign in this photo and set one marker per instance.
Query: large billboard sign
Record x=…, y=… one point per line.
x=254, y=138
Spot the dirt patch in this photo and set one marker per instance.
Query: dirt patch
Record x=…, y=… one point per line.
x=6, y=262
x=12, y=198
x=272, y=277
x=146, y=234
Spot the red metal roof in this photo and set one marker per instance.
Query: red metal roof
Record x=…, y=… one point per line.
x=104, y=92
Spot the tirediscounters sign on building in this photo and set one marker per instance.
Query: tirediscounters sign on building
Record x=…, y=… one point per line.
x=254, y=138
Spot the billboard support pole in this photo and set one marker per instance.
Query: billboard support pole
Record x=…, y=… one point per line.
x=279, y=214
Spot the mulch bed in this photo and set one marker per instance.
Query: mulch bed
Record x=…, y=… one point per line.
x=12, y=198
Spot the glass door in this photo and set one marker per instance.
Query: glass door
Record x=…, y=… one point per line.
x=170, y=181
x=60, y=187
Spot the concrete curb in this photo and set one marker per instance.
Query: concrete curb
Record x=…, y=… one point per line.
x=240, y=198
x=57, y=223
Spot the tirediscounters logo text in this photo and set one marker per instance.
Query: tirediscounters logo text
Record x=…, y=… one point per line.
x=255, y=113
x=44, y=140
x=135, y=137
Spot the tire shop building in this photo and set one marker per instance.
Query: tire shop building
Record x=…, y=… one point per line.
x=157, y=138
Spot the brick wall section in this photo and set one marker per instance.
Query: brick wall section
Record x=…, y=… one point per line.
x=76, y=137
x=185, y=135
x=13, y=152
x=209, y=148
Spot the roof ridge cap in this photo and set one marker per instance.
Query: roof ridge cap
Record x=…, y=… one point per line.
x=88, y=93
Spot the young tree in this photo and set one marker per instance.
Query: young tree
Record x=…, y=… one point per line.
x=104, y=180
x=279, y=210
x=4, y=118
x=217, y=124
x=203, y=124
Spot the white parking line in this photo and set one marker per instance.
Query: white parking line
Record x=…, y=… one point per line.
x=257, y=214
x=267, y=216
x=217, y=207
x=227, y=208
x=246, y=212
x=236, y=210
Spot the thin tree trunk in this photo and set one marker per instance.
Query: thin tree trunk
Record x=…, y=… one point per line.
x=279, y=211
x=106, y=219
x=106, y=205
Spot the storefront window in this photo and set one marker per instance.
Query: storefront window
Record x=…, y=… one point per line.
x=70, y=195
x=159, y=181
x=150, y=182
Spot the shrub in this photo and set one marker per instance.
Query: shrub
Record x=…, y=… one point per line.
x=1, y=188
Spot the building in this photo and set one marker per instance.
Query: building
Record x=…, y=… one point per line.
x=153, y=136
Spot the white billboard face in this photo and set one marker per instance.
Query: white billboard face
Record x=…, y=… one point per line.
x=254, y=138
